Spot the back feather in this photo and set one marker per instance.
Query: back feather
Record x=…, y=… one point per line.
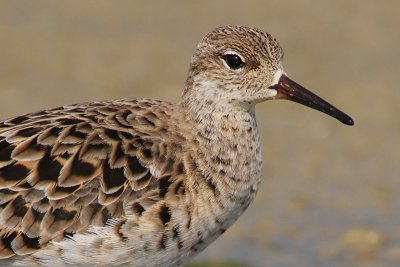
x=64, y=169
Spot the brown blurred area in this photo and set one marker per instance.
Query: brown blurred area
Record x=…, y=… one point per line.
x=331, y=194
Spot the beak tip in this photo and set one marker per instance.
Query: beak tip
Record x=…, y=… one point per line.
x=348, y=121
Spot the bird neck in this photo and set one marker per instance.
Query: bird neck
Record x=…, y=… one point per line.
x=225, y=156
x=227, y=137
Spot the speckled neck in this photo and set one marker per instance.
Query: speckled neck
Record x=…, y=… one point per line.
x=221, y=125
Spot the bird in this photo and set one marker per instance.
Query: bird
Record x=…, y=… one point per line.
x=143, y=182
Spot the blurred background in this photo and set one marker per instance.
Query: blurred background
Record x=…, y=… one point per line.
x=331, y=193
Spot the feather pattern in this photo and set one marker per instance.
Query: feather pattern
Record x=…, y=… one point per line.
x=65, y=169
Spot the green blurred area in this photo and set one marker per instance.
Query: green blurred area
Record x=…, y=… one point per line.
x=331, y=193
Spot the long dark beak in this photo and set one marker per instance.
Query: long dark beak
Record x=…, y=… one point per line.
x=290, y=90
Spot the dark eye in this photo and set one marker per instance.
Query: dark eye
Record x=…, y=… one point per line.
x=233, y=61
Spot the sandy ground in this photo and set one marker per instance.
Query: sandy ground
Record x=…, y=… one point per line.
x=331, y=195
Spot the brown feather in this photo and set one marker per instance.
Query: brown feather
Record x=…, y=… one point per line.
x=64, y=169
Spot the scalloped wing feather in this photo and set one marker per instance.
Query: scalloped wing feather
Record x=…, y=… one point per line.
x=64, y=169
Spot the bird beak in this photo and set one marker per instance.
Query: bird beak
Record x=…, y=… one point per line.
x=290, y=90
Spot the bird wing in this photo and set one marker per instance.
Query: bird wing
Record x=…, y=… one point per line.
x=64, y=169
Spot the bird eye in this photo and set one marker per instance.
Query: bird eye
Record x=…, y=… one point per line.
x=233, y=61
